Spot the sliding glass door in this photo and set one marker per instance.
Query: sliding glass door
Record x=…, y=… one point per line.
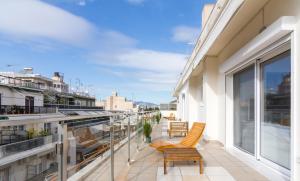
x=244, y=125
x=276, y=109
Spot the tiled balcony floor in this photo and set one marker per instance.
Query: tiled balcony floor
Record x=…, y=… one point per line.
x=148, y=165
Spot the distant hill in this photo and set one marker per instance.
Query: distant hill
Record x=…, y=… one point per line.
x=145, y=104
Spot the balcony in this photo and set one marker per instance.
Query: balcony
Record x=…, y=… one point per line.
x=80, y=143
x=147, y=164
x=74, y=107
x=86, y=154
x=26, y=145
x=15, y=82
x=14, y=109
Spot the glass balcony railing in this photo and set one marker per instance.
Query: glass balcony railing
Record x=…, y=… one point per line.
x=19, y=147
x=79, y=147
x=13, y=109
x=62, y=106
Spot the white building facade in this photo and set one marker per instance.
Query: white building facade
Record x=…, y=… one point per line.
x=243, y=80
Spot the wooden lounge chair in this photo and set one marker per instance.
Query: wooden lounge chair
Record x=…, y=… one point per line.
x=190, y=141
x=171, y=117
x=179, y=128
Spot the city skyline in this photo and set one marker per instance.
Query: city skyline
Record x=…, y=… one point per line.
x=135, y=47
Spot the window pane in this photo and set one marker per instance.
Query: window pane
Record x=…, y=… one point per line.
x=276, y=97
x=244, y=125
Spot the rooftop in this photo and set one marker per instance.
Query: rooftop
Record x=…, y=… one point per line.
x=147, y=164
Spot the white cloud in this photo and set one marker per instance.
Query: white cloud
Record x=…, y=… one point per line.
x=33, y=20
x=76, y=2
x=81, y=3
x=136, y=2
x=152, y=60
x=185, y=34
x=147, y=67
x=142, y=59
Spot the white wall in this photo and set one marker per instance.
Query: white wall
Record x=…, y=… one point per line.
x=10, y=96
x=182, y=106
x=196, y=111
x=214, y=83
x=215, y=124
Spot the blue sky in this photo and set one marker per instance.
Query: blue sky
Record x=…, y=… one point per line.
x=136, y=47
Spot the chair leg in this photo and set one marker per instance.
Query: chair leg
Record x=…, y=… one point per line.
x=201, y=166
x=165, y=167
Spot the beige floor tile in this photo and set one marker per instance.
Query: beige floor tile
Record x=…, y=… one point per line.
x=195, y=178
x=131, y=177
x=169, y=178
x=211, y=164
x=133, y=170
x=150, y=170
x=216, y=171
x=170, y=171
x=244, y=177
x=137, y=163
x=147, y=177
x=235, y=170
x=220, y=178
x=190, y=170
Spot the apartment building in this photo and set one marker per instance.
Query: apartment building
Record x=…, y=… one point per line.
x=58, y=83
x=29, y=125
x=167, y=109
x=27, y=146
x=116, y=103
x=243, y=80
x=29, y=143
x=26, y=88
x=26, y=78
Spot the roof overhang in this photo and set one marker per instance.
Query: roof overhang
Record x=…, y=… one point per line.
x=226, y=20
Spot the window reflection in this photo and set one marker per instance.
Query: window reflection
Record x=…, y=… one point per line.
x=275, y=114
x=244, y=124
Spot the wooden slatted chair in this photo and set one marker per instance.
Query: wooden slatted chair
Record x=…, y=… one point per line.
x=171, y=117
x=178, y=128
x=190, y=141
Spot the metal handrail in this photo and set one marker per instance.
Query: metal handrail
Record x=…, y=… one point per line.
x=13, y=148
x=14, y=109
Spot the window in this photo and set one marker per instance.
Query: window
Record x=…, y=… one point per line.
x=47, y=127
x=29, y=104
x=4, y=174
x=276, y=109
x=260, y=95
x=244, y=125
x=21, y=127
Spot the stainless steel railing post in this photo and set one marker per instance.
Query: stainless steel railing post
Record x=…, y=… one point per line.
x=112, y=165
x=138, y=131
x=62, y=152
x=129, y=130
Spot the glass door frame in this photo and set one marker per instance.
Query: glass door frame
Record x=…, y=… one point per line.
x=267, y=57
x=240, y=70
x=263, y=56
x=229, y=83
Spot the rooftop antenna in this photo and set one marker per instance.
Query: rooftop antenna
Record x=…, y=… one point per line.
x=10, y=66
